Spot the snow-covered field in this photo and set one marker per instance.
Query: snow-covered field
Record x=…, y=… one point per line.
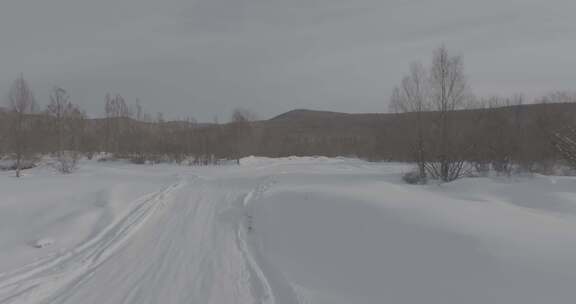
x=292, y=230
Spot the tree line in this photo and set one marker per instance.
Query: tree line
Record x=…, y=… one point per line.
x=63, y=130
x=435, y=122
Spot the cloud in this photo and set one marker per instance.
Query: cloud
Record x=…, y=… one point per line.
x=205, y=57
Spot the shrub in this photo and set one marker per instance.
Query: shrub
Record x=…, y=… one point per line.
x=67, y=161
x=414, y=178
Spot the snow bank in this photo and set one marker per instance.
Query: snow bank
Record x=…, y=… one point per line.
x=291, y=160
x=69, y=208
x=355, y=237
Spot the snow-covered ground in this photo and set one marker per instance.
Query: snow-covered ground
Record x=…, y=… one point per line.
x=292, y=230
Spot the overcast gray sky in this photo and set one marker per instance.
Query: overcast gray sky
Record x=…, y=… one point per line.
x=205, y=57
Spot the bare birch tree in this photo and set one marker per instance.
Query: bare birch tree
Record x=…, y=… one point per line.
x=448, y=93
x=412, y=96
x=242, y=133
x=117, y=114
x=440, y=91
x=68, y=122
x=21, y=105
x=59, y=102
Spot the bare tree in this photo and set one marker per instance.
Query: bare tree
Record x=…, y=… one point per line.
x=21, y=105
x=564, y=142
x=412, y=97
x=4, y=128
x=559, y=128
x=441, y=91
x=117, y=114
x=243, y=115
x=59, y=104
x=503, y=133
x=68, y=122
x=242, y=133
x=448, y=93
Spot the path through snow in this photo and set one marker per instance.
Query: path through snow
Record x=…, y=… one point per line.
x=188, y=242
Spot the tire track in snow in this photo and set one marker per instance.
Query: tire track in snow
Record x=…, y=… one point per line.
x=268, y=283
x=42, y=280
x=224, y=266
x=186, y=254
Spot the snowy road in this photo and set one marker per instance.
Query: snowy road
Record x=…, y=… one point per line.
x=286, y=231
x=187, y=252
x=188, y=242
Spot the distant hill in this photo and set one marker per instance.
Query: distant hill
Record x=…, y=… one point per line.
x=386, y=135
x=307, y=132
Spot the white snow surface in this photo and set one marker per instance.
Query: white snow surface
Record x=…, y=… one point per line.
x=290, y=230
